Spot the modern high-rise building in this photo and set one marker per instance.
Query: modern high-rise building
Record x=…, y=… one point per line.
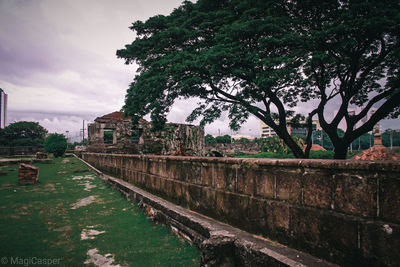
x=266, y=131
x=3, y=109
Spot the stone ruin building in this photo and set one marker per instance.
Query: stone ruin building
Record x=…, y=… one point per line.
x=114, y=133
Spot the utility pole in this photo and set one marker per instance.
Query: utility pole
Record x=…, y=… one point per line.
x=391, y=139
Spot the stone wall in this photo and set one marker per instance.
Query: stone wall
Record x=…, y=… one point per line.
x=344, y=211
x=164, y=142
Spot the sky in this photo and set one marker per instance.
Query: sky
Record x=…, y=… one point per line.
x=58, y=62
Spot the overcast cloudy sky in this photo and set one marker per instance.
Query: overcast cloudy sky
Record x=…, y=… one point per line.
x=58, y=63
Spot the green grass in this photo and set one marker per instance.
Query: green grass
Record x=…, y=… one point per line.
x=37, y=221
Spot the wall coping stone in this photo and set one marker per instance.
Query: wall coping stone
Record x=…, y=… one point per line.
x=390, y=165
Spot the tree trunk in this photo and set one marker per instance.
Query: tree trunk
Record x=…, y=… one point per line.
x=297, y=152
x=340, y=151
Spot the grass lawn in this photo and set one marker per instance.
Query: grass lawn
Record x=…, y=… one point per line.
x=78, y=219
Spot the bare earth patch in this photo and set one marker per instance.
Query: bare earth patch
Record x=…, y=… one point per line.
x=88, y=186
x=86, y=177
x=100, y=260
x=90, y=234
x=83, y=202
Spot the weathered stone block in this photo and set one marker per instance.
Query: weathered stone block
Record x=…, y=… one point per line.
x=222, y=207
x=265, y=181
x=289, y=185
x=355, y=193
x=207, y=174
x=162, y=168
x=195, y=195
x=257, y=215
x=317, y=188
x=327, y=234
x=390, y=199
x=225, y=176
x=174, y=170
x=191, y=172
x=28, y=174
x=247, y=174
x=177, y=187
x=208, y=200
x=41, y=155
x=239, y=208
x=380, y=243
x=277, y=216
x=169, y=188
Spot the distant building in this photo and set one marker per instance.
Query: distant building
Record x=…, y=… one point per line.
x=266, y=131
x=3, y=109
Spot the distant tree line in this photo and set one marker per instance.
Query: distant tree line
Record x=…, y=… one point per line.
x=22, y=133
x=270, y=144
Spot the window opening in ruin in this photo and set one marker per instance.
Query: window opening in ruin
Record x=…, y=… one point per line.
x=108, y=136
x=135, y=135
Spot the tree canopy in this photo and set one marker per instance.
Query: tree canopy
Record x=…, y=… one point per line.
x=265, y=58
x=22, y=133
x=56, y=144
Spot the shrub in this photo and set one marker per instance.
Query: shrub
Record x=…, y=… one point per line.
x=321, y=154
x=56, y=144
x=277, y=145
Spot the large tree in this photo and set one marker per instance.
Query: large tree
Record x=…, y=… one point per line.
x=23, y=133
x=266, y=57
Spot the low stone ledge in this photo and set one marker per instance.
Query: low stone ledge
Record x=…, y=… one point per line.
x=4, y=162
x=220, y=244
x=28, y=174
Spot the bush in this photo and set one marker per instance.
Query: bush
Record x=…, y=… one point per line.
x=321, y=154
x=239, y=154
x=277, y=145
x=56, y=144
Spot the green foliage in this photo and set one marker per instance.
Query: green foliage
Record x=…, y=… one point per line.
x=276, y=145
x=223, y=139
x=242, y=140
x=251, y=57
x=209, y=139
x=56, y=144
x=321, y=154
x=108, y=136
x=239, y=154
x=22, y=133
x=391, y=134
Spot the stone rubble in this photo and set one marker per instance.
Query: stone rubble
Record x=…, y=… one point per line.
x=28, y=174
